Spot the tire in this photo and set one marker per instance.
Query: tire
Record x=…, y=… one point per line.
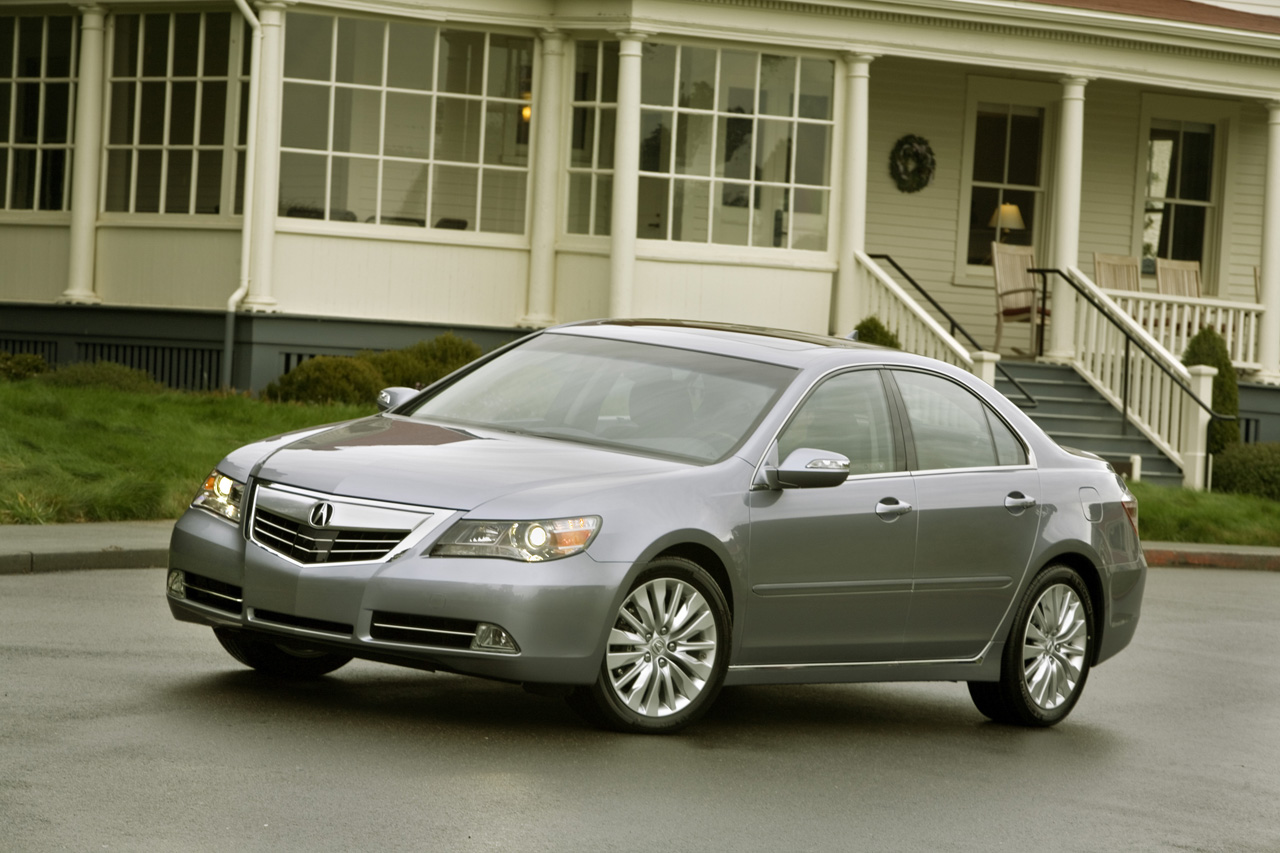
x=667, y=653
x=1046, y=659
x=278, y=659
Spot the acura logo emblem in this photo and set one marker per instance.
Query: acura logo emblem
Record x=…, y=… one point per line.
x=321, y=514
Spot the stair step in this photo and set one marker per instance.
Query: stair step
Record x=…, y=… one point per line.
x=1075, y=415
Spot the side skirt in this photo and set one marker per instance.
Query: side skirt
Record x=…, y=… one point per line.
x=984, y=667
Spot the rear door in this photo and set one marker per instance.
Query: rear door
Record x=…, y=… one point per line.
x=978, y=514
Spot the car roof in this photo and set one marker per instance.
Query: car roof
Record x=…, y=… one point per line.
x=758, y=343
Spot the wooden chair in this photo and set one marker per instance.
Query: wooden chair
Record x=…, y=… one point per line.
x=1117, y=272
x=1178, y=278
x=1017, y=298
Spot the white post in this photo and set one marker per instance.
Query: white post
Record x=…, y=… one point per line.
x=540, y=305
x=1269, y=331
x=848, y=299
x=266, y=156
x=1066, y=217
x=626, y=177
x=85, y=161
x=984, y=366
x=1195, y=427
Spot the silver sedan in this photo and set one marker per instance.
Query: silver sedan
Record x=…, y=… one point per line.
x=633, y=514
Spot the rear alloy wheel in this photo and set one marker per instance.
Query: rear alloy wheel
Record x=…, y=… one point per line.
x=667, y=652
x=279, y=659
x=1046, y=660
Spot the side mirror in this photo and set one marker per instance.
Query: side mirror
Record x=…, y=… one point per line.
x=389, y=398
x=807, y=468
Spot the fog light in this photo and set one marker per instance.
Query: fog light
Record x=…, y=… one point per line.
x=177, y=583
x=491, y=638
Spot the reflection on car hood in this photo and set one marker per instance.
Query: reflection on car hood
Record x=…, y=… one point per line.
x=393, y=459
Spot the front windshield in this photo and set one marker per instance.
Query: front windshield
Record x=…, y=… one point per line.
x=637, y=397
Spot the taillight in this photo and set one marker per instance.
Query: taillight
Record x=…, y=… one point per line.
x=1130, y=504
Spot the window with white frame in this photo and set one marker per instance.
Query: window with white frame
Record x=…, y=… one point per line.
x=1007, y=178
x=595, y=113
x=174, y=103
x=405, y=124
x=735, y=147
x=37, y=108
x=1179, y=210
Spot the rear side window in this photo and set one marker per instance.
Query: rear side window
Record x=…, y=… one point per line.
x=952, y=428
x=847, y=414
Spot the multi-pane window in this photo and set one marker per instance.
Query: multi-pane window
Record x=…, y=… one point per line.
x=595, y=112
x=1007, y=183
x=37, y=105
x=735, y=147
x=174, y=94
x=1179, y=204
x=402, y=123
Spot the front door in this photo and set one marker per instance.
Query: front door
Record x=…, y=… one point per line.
x=830, y=568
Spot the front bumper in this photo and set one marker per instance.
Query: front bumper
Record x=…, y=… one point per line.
x=412, y=609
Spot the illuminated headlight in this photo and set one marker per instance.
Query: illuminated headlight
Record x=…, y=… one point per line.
x=220, y=495
x=531, y=541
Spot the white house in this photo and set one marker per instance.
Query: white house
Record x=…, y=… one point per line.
x=495, y=165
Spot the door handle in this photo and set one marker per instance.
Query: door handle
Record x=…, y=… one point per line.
x=890, y=508
x=1016, y=502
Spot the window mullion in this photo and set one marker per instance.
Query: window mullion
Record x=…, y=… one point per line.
x=231, y=119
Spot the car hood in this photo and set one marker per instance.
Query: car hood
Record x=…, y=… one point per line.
x=394, y=459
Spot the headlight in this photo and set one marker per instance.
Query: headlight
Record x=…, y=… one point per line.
x=531, y=541
x=220, y=495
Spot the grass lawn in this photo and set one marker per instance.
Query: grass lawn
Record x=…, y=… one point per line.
x=91, y=454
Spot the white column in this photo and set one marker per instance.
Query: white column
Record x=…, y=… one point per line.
x=1195, y=428
x=540, y=307
x=626, y=177
x=266, y=157
x=1269, y=333
x=85, y=160
x=1066, y=217
x=848, y=302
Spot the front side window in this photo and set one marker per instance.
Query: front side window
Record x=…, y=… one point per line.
x=1007, y=184
x=846, y=414
x=1179, y=204
x=952, y=428
x=37, y=106
x=174, y=101
x=735, y=147
x=405, y=124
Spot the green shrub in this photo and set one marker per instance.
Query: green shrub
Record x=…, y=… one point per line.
x=21, y=365
x=102, y=374
x=872, y=331
x=397, y=367
x=328, y=379
x=1249, y=469
x=444, y=354
x=1208, y=347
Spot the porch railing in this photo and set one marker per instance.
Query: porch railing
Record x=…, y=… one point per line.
x=1138, y=375
x=916, y=329
x=1174, y=320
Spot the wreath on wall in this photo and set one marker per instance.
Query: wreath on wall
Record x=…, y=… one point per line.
x=911, y=163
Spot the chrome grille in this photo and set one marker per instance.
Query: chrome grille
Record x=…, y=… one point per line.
x=213, y=593
x=300, y=541
x=422, y=630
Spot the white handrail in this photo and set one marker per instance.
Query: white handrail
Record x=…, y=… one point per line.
x=1174, y=320
x=916, y=329
x=1160, y=407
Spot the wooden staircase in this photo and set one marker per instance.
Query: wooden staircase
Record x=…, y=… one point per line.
x=1075, y=415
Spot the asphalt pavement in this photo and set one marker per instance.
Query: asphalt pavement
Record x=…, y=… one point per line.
x=26, y=549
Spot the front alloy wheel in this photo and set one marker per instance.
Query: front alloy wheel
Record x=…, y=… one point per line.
x=1047, y=656
x=667, y=652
